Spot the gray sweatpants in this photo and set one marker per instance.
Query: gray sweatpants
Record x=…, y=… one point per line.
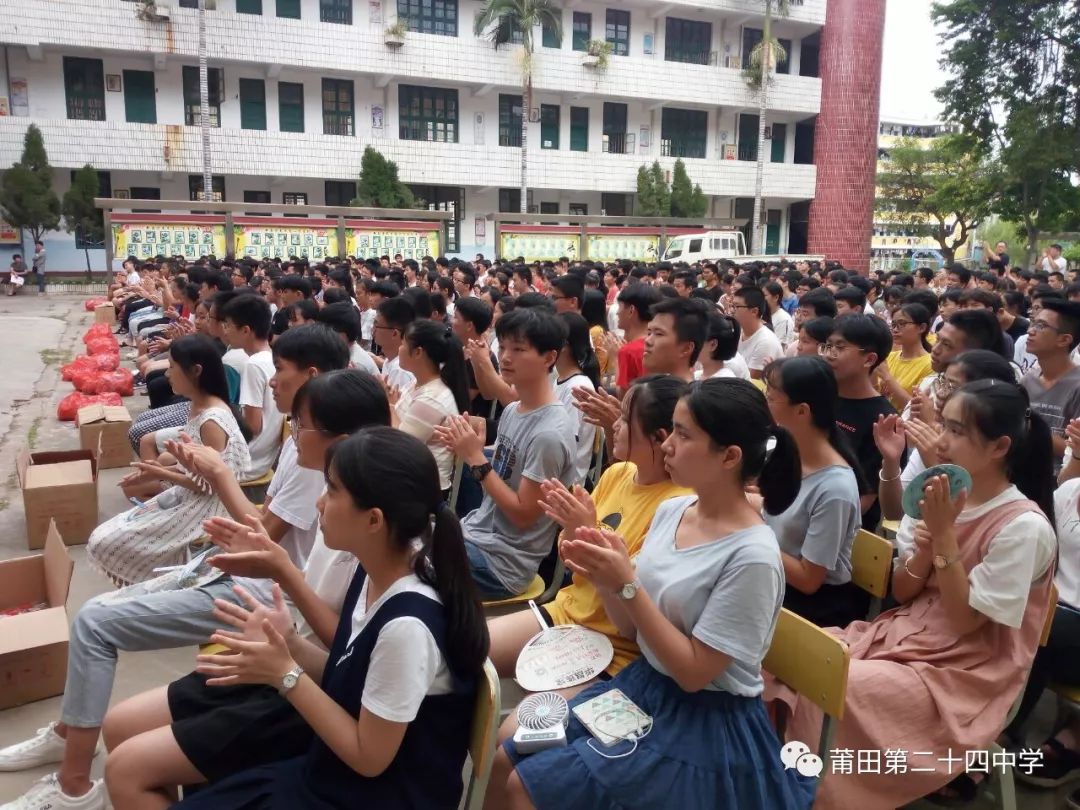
x=152, y=615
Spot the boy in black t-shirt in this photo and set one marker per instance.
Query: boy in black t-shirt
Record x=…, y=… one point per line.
x=858, y=344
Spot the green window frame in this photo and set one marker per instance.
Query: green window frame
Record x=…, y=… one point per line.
x=289, y=9
x=548, y=38
x=581, y=31
x=444, y=198
x=549, y=208
x=249, y=7
x=683, y=133
x=550, y=116
x=579, y=129
x=140, y=99
x=779, y=143
x=294, y=198
x=84, y=86
x=252, y=104
x=290, y=107
x=438, y=17
x=336, y=11
x=751, y=37
x=509, y=200
x=339, y=192
x=427, y=114
x=339, y=109
x=688, y=41
x=215, y=80
x=617, y=31
x=509, y=120
x=217, y=187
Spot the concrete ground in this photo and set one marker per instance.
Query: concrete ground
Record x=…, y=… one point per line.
x=38, y=335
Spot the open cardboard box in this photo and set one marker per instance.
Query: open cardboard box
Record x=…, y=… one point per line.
x=104, y=428
x=62, y=486
x=105, y=313
x=34, y=646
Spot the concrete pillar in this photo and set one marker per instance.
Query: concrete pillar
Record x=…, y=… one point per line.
x=845, y=140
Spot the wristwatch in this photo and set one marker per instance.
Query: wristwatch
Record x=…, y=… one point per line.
x=629, y=590
x=941, y=561
x=290, y=679
x=479, y=471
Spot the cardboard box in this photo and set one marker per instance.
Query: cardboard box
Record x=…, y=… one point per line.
x=60, y=486
x=105, y=313
x=34, y=646
x=104, y=428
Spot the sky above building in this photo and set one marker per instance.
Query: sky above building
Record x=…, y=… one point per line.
x=910, y=70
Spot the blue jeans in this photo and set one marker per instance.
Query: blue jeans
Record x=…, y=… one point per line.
x=40, y=282
x=487, y=583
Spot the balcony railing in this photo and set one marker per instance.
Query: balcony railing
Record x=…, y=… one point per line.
x=619, y=143
x=747, y=151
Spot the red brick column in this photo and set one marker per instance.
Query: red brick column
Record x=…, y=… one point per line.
x=845, y=139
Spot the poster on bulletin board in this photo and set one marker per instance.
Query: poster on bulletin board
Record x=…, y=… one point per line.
x=538, y=246
x=609, y=248
x=281, y=242
x=145, y=240
x=366, y=241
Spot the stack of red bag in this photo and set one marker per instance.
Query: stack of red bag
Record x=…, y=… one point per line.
x=69, y=406
x=90, y=304
x=97, y=376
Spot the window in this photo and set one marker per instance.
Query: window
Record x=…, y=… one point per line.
x=579, y=210
x=779, y=142
x=337, y=106
x=294, y=198
x=509, y=200
x=548, y=38
x=549, y=208
x=549, y=126
x=688, y=41
x=290, y=107
x=252, y=104
x=215, y=89
x=104, y=190
x=614, y=205
x=579, y=129
x=257, y=197
x=617, y=31
x=144, y=193
x=748, y=132
x=340, y=192
x=249, y=6
x=582, y=30
x=189, y=3
x=289, y=9
x=509, y=120
x=336, y=11
x=195, y=187
x=615, y=137
x=427, y=114
x=430, y=16
x=84, y=84
x=445, y=198
x=140, y=103
x=683, y=132
x=751, y=37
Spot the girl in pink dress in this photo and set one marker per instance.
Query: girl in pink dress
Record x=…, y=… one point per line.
x=935, y=677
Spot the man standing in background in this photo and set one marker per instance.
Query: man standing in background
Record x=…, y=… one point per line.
x=39, y=266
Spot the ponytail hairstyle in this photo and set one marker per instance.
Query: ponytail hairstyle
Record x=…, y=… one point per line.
x=443, y=349
x=344, y=401
x=981, y=364
x=387, y=469
x=198, y=350
x=579, y=343
x=810, y=381
x=650, y=403
x=735, y=414
x=997, y=409
x=921, y=317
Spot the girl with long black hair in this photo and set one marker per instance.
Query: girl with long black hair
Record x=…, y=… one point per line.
x=577, y=367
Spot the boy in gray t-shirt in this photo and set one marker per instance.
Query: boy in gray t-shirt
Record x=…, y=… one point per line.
x=508, y=535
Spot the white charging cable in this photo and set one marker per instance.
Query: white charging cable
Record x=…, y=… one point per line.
x=640, y=733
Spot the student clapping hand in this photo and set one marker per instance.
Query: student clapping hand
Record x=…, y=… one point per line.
x=247, y=550
x=939, y=513
x=600, y=556
x=463, y=437
x=600, y=407
x=570, y=508
x=260, y=649
x=924, y=438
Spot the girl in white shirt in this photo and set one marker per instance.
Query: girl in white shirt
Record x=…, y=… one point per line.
x=432, y=354
x=577, y=367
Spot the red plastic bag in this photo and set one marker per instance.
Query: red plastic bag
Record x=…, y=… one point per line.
x=69, y=406
x=90, y=304
x=101, y=345
x=102, y=382
x=84, y=379
x=98, y=330
x=92, y=362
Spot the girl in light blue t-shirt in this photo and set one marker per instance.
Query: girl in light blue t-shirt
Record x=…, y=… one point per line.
x=702, y=604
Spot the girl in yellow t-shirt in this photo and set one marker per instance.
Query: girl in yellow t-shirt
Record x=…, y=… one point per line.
x=625, y=499
x=909, y=362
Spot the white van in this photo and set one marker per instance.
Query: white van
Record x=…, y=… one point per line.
x=711, y=246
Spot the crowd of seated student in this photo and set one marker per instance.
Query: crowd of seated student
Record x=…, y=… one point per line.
x=723, y=504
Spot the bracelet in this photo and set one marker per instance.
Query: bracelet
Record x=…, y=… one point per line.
x=911, y=573
x=885, y=480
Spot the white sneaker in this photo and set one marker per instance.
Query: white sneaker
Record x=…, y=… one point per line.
x=44, y=748
x=47, y=795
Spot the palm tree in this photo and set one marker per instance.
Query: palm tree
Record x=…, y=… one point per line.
x=763, y=59
x=513, y=22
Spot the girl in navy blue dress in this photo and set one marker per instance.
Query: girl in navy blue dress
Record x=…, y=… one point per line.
x=702, y=604
x=395, y=696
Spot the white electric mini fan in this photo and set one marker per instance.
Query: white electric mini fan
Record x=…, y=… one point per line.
x=542, y=720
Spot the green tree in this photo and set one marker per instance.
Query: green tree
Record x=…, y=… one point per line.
x=944, y=189
x=764, y=58
x=512, y=22
x=81, y=216
x=27, y=199
x=653, y=194
x=1015, y=84
x=660, y=188
x=379, y=186
x=687, y=200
